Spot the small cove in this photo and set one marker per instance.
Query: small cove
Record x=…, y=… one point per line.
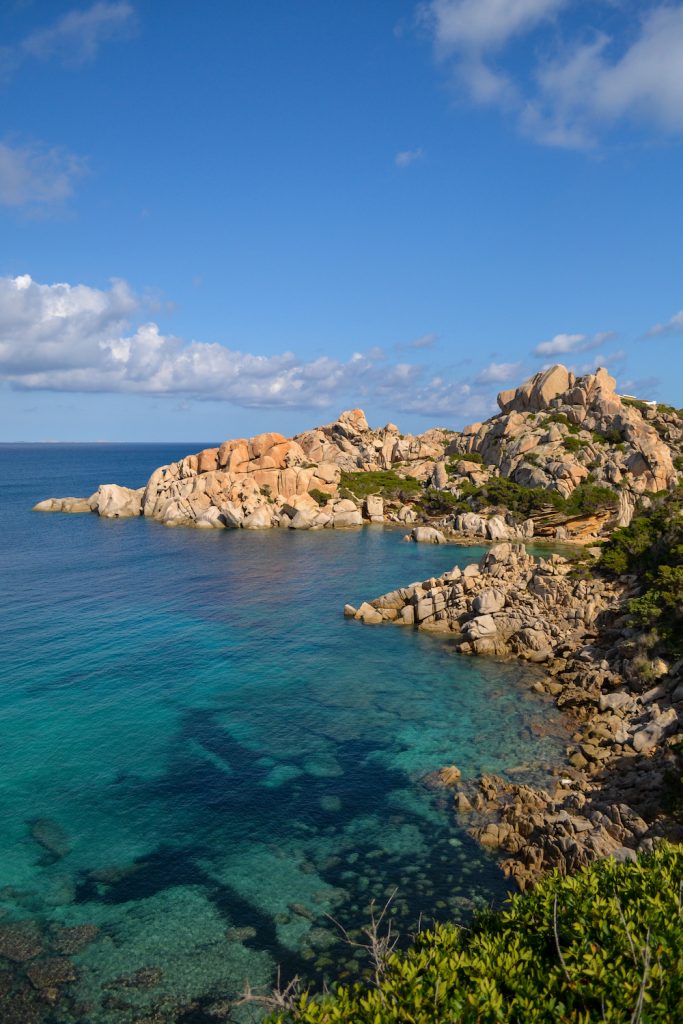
x=224, y=759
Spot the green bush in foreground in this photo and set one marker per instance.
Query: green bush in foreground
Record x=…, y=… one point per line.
x=603, y=945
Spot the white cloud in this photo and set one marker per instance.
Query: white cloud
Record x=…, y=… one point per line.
x=580, y=85
x=408, y=156
x=669, y=327
x=76, y=338
x=479, y=25
x=560, y=344
x=34, y=174
x=76, y=36
x=607, y=360
x=497, y=373
x=422, y=342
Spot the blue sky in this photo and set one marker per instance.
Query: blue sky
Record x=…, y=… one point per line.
x=228, y=216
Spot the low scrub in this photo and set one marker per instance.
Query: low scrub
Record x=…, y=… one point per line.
x=385, y=482
x=652, y=548
x=524, y=501
x=474, y=457
x=603, y=945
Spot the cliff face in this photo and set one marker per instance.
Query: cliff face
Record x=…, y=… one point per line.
x=554, y=432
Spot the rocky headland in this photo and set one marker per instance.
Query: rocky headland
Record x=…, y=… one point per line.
x=575, y=457
x=566, y=459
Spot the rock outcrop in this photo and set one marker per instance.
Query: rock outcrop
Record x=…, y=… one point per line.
x=508, y=604
x=554, y=432
x=611, y=797
x=557, y=431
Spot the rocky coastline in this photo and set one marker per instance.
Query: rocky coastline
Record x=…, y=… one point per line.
x=610, y=797
x=566, y=459
x=554, y=435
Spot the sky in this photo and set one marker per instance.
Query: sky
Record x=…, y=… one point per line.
x=230, y=216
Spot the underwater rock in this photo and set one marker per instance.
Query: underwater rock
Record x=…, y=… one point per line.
x=49, y=834
x=24, y=1005
x=69, y=940
x=220, y=1010
x=112, y=875
x=20, y=941
x=301, y=911
x=144, y=977
x=450, y=775
x=50, y=974
x=240, y=934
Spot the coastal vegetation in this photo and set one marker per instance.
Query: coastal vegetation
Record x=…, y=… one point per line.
x=521, y=501
x=601, y=945
x=652, y=548
x=386, y=483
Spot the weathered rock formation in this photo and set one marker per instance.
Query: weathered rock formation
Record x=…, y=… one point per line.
x=611, y=796
x=553, y=432
x=270, y=480
x=557, y=431
x=508, y=604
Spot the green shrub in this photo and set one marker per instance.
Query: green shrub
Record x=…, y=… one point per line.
x=589, y=498
x=385, y=482
x=678, y=463
x=555, y=417
x=322, y=497
x=574, y=444
x=604, y=945
x=469, y=457
x=612, y=436
x=441, y=503
x=636, y=403
x=652, y=548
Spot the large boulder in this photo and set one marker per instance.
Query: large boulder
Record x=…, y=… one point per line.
x=488, y=601
x=427, y=535
x=303, y=520
x=211, y=519
x=374, y=508
x=115, y=502
x=64, y=505
x=538, y=392
x=260, y=519
x=345, y=518
x=480, y=627
x=470, y=522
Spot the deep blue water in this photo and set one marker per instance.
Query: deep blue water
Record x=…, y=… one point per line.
x=222, y=757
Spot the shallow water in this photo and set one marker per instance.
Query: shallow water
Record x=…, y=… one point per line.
x=216, y=757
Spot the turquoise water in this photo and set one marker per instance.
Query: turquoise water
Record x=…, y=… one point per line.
x=213, y=757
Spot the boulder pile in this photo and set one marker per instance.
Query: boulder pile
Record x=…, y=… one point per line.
x=270, y=480
x=554, y=432
x=557, y=431
x=508, y=604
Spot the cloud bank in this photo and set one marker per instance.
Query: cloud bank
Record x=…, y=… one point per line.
x=75, y=338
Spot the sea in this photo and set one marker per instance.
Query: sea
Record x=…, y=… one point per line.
x=206, y=771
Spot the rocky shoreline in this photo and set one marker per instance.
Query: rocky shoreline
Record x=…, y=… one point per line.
x=566, y=459
x=609, y=799
x=556, y=435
